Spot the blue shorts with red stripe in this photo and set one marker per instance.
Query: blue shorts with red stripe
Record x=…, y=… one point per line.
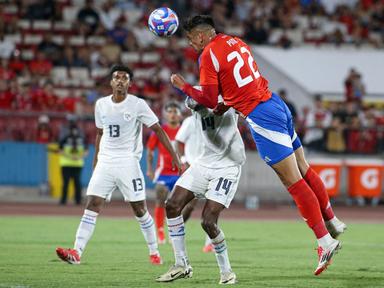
x=273, y=130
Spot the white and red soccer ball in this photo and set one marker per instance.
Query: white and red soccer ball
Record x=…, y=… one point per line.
x=163, y=22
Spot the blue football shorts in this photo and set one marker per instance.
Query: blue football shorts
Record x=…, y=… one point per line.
x=273, y=130
x=167, y=180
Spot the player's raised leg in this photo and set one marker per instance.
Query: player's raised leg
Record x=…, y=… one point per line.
x=333, y=224
x=148, y=229
x=210, y=216
x=84, y=231
x=309, y=208
x=176, y=228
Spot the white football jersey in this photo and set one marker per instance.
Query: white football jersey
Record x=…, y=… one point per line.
x=191, y=137
x=122, y=128
x=221, y=139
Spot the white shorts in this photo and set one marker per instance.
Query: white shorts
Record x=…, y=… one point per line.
x=128, y=179
x=218, y=185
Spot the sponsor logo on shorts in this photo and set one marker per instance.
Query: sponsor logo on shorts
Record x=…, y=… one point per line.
x=267, y=159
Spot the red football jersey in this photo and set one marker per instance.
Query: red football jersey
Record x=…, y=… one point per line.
x=227, y=62
x=164, y=159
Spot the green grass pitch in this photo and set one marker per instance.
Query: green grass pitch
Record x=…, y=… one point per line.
x=263, y=254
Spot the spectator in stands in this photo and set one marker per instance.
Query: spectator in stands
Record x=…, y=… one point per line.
x=255, y=32
x=242, y=10
x=44, y=131
x=119, y=33
x=83, y=58
x=88, y=18
x=111, y=51
x=354, y=87
x=358, y=88
x=350, y=112
x=7, y=47
x=335, y=138
x=51, y=49
x=109, y=15
x=84, y=108
x=361, y=139
x=40, y=65
x=71, y=58
x=131, y=44
x=23, y=100
x=6, y=96
x=283, y=94
x=16, y=63
x=317, y=120
x=284, y=41
x=69, y=103
x=336, y=37
x=73, y=150
x=5, y=72
x=40, y=10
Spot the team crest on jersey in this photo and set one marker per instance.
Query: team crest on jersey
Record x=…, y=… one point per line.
x=127, y=116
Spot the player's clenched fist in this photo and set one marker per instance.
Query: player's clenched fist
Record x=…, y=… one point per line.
x=177, y=80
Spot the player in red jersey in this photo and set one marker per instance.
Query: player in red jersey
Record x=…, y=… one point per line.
x=227, y=67
x=165, y=175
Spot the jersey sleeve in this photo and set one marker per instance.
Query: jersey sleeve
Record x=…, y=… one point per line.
x=98, y=121
x=209, y=68
x=152, y=141
x=184, y=131
x=145, y=114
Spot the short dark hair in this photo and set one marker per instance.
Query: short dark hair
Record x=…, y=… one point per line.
x=198, y=20
x=172, y=104
x=123, y=68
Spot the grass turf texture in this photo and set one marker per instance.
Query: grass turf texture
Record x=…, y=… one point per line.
x=263, y=254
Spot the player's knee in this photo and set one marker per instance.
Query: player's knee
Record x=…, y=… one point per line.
x=139, y=211
x=208, y=223
x=172, y=208
x=94, y=204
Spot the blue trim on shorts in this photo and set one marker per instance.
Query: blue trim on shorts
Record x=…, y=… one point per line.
x=273, y=116
x=167, y=180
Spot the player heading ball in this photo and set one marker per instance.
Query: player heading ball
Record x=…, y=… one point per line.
x=227, y=65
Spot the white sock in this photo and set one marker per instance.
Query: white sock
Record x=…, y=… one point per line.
x=325, y=241
x=148, y=228
x=221, y=253
x=85, y=230
x=176, y=230
x=207, y=240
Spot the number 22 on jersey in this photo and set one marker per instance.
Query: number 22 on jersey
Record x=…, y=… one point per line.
x=240, y=57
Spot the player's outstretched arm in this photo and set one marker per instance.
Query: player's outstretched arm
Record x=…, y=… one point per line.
x=208, y=96
x=164, y=139
x=99, y=134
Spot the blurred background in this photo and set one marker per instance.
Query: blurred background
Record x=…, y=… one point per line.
x=325, y=58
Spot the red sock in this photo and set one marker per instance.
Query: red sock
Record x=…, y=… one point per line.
x=159, y=218
x=317, y=186
x=309, y=208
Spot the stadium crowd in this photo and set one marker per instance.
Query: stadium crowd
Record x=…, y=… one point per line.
x=55, y=56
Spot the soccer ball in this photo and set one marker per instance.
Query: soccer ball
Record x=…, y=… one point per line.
x=163, y=22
